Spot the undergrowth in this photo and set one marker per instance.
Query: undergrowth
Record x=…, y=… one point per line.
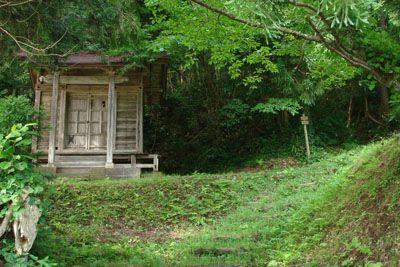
x=340, y=211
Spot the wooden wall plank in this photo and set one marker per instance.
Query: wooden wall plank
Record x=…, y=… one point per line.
x=44, y=123
x=127, y=117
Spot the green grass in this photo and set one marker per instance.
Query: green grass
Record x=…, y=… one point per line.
x=341, y=211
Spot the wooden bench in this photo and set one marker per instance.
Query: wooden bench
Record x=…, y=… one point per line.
x=145, y=161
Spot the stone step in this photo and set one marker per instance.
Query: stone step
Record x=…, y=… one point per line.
x=118, y=171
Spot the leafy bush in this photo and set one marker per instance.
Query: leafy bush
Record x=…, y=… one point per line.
x=233, y=113
x=19, y=185
x=395, y=107
x=14, y=110
x=273, y=105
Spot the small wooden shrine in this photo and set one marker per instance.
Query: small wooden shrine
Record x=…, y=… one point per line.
x=94, y=116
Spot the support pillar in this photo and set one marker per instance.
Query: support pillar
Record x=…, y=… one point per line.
x=110, y=121
x=53, y=120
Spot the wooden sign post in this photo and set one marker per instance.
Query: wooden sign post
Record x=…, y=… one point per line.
x=304, y=121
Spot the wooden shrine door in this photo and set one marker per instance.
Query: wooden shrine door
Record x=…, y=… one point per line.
x=85, y=121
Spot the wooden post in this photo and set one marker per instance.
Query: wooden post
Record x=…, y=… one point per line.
x=140, y=148
x=304, y=121
x=53, y=120
x=37, y=107
x=61, y=130
x=110, y=121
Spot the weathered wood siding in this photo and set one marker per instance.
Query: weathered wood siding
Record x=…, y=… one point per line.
x=128, y=117
x=45, y=103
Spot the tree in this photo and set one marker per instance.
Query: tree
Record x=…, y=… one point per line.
x=350, y=29
x=54, y=29
x=49, y=30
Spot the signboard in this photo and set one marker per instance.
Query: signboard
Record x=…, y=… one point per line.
x=304, y=119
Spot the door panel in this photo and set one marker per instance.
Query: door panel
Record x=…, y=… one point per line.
x=76, y=121
x=86, y=121
x=98, y=122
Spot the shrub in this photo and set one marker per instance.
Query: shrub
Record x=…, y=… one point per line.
x=20, y=186
x=14, y=110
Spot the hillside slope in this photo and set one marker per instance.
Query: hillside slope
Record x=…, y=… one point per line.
x=362, y=214
x=341, y=211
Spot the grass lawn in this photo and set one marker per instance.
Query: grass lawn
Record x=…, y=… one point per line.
x=339, y=211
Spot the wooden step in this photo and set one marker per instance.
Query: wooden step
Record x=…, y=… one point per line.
x=81, y=158
x=81, y=164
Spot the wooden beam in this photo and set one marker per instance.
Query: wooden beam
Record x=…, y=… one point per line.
x=61, y=130
x=53, y=119
x=37, y=107
x=110, y=121
x=85, y=79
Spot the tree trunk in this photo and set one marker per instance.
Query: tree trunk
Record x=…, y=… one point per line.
x=25, y=228
x=384, y=101
x=285, y=119
x=349, y=112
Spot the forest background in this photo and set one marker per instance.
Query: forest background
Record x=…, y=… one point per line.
x=240, y=74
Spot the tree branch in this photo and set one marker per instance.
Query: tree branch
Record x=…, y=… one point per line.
x=335, y=45
x=35, y=51
x=303, y=5
x=323, y=18
x=228, y=15
x=11, y=4
x=255, y=24
x=338, y=50
x=298, y=34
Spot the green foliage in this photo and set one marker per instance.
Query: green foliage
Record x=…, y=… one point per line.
x=17, y=179
x=16, y=110
x=347, y=13
x=14, y=78
x=93, y=216
x=358, y=246
x=238, y=46
x=209, y=122
x=214, y=61
x=167, y=201
x=15, y=167
x=383, y=51
x=15, y=153
x=273, y=105
x=13, y=260
x=233, y=113
x=79, y=25
x=329, y=213
x=395, y=107
x=230, y=45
